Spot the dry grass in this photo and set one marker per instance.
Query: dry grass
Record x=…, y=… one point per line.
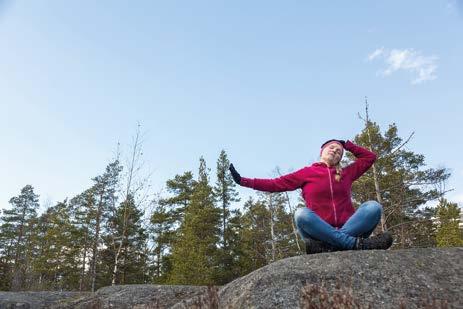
x=317, y=296
x=314, y=296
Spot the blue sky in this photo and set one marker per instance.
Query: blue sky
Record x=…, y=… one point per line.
x=268, y=81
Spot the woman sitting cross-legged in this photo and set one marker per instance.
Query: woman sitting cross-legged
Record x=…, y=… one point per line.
x=330, y=222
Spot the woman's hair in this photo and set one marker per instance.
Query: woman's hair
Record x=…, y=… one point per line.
x=338, y=171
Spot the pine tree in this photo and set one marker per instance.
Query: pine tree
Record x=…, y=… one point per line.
x=104, y=189
x=235, y=248
x=7, y=247
x=194, y=254
x=126, y=235
x=16, y=230
x=286, y=243
x=56, y=250
x=83, y=213
x=255, y=237
x=402, y=182
x=182, y=188
x=166, y=219
x=448, y=220
x=5, y=272
x=225, y=193
x=40, y=272
x=163, y=232
x=423, y=230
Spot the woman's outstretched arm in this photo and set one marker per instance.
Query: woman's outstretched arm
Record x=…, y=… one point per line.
x=287, y=182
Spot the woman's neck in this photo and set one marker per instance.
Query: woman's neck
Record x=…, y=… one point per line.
x=327, y=163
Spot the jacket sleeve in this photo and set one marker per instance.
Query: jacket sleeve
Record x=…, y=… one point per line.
x=287, y=182
x=364, y=160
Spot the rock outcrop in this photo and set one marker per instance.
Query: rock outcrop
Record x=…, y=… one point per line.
x=377, y=279
x=139, y=296
x=413, y=278
x=32, y=300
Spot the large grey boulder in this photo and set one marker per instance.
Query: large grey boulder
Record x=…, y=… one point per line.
x=378, y=279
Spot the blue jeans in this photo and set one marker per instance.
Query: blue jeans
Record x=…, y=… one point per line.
x=360, y=224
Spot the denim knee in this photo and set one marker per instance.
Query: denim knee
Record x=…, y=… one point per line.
x=300, y=215
x=373, y=208
x=305, y=216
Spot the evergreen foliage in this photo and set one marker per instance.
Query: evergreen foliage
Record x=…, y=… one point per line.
x=448, y=220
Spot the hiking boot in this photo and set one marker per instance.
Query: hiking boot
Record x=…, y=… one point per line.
x=313, y=246
x=381, y=241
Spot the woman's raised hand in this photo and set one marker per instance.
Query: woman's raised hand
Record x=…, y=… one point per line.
x=236, y=176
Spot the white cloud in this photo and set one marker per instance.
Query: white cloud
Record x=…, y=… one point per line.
x=378, y=52
x=423, y=68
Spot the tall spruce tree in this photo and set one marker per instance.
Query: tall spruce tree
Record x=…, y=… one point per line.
x=166, y=219
x=225, y=193
x=448, y=220
x=16, y=231
x=194, y=253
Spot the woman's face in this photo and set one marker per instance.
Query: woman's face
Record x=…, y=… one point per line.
x=332, y=154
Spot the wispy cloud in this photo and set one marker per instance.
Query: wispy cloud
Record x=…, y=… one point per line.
x=376, y=54
x=423, y=68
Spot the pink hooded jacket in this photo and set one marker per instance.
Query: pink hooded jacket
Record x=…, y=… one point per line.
x=328, y=198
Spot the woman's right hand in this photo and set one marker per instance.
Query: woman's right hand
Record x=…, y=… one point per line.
x=236, y=176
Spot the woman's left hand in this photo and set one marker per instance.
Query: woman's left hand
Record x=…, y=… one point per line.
x=236, y=176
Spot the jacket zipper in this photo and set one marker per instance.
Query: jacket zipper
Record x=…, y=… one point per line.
x=332, y=198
